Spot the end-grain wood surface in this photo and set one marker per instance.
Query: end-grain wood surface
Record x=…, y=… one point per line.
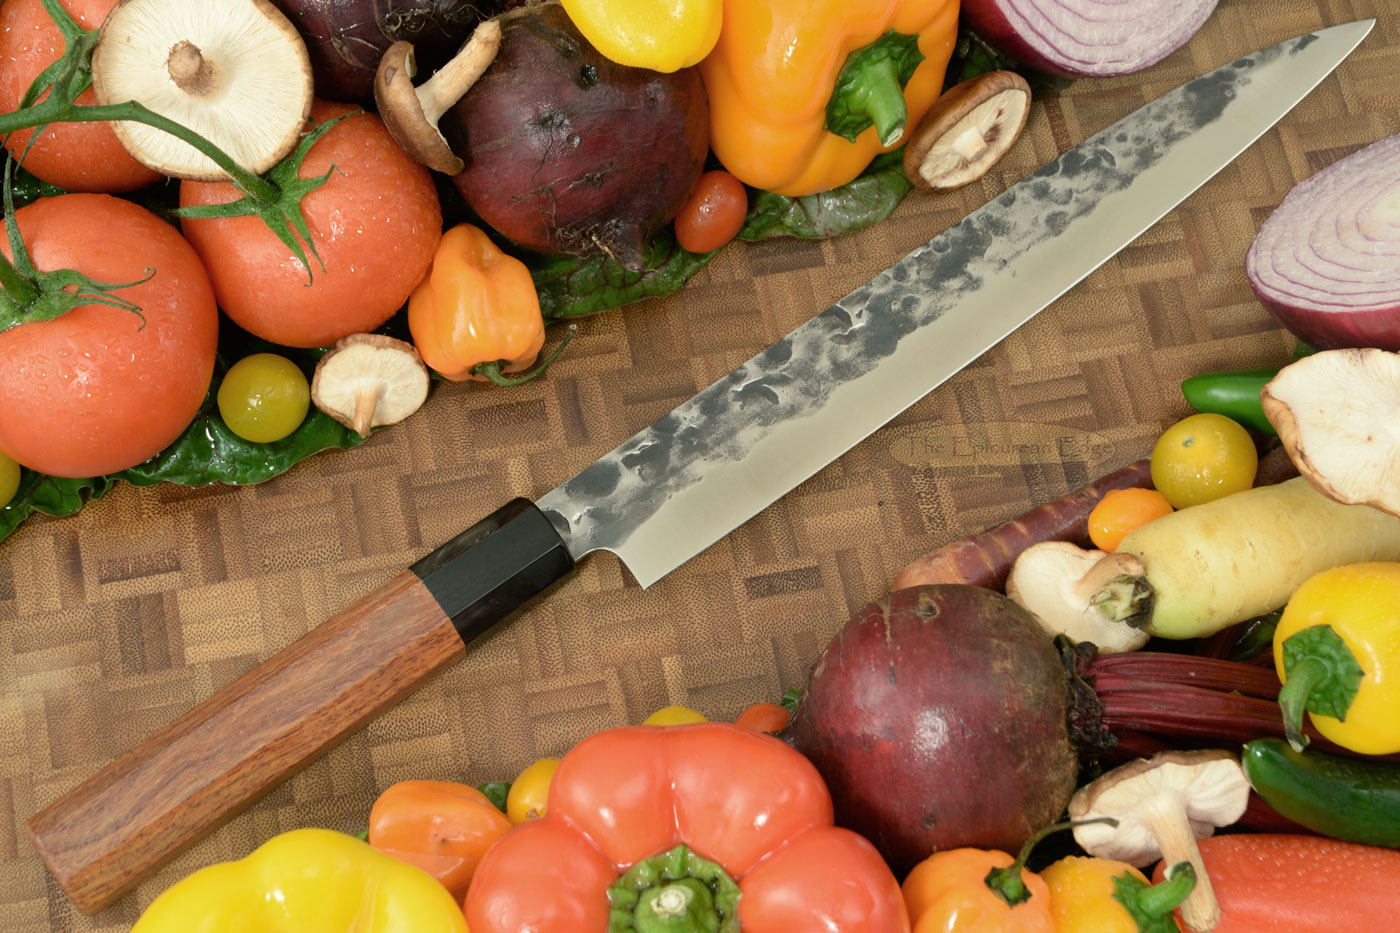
x=115, y=621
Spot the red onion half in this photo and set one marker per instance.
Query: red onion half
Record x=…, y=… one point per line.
x=1327, y=261
x=1087, y=38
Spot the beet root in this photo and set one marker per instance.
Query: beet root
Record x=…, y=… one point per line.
x=570, y=154
x=938, y=718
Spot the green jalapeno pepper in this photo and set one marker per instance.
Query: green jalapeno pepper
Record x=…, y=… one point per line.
x=1350, y=799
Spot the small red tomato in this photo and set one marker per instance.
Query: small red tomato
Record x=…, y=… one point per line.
x=715, y=213
x=764, y=717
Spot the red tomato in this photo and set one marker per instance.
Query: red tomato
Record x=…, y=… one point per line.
x=95, y=391
x=75, y=156
x=764, y=717
x=715, y=213
x=376, y=224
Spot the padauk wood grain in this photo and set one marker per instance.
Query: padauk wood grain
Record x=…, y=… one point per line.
x=106, y=835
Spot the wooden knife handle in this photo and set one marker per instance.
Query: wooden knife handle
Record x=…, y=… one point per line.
x=124, y=823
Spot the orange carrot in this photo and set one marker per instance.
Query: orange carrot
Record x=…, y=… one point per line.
x=1302, y=884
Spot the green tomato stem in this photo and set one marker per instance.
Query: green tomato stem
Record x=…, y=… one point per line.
x=52, y=110
x=18, y=288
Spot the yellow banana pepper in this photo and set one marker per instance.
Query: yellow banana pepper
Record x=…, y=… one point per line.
x=663, y=35
x=1097, y=895
x=306, y=881
x=786, y=70
x=1337, y=651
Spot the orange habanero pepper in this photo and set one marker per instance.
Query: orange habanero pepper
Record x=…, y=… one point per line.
x=950, y=892
x=438, y=826
x=476, y=315
x=785, y=70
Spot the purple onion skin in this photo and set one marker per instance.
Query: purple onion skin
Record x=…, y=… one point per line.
x=990, y=20
x=1377, y=327
x=570, y=154
x=937, y=718
x=346, y=38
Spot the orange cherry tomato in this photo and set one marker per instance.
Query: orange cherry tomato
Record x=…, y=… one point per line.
x=764, y=717
x=376, y=224
x=1121, y=511
x=742, y=800
x=74, y=156
x=715, y=213
x=438, y=826
x=528, y=797
x=96, y=390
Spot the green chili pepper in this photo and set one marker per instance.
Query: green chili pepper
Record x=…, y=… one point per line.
x=1350, y=799
x=1232, y=394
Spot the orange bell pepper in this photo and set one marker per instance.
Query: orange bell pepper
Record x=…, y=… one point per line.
x=773, y=79
x=683, y=828
x=476, y=315
x=438, y=826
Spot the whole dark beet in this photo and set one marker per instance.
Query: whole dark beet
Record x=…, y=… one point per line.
x=346, y=38
x=937, y=717
x=570, y=154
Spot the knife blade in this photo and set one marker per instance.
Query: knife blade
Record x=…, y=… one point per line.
x=681, y=484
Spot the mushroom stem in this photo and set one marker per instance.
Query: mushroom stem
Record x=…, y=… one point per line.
x=367, y=398
x=1112, y=572
x=970, y=144
x=452, y=80
x=1172, y=830
x=189, y=69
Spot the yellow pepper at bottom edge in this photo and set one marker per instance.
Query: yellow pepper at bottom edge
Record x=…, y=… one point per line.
x=306, y=881
x=663, y=35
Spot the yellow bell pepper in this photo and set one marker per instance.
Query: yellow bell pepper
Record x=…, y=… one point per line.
x=1097, y=895
x=773, y=85
x=663, y=35
x=477, y=314
x=306, y=881
x=1337, y=651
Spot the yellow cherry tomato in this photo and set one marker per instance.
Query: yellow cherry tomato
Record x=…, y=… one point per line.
x=9, y=479
x=264, y=398
x=673, y=716
x=1202, y=458
x=530, y=792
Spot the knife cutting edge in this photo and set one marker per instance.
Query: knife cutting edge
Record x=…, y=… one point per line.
x=685, y=482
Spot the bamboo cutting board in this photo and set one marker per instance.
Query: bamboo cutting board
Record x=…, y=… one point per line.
x=115, y=621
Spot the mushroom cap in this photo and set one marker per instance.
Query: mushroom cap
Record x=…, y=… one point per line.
x=403, y=114
x=368, y=380
x=967, y=130
x=1208, y=785
x=1338, y=415
x=1047, y=580
x=234, y=71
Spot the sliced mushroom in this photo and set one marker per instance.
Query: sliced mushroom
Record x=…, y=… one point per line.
x=368, y=380
x=1338, y=415
x=1055, y=581
x=1163, y=805
x=412, y=114
x=967, y=130
x=234, y=71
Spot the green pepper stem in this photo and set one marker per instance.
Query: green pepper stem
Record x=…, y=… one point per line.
x=57, y=111
x=878, y=94
x=1161, y=899
x=492, y=370
x=1293, y=698
x=1007, y=883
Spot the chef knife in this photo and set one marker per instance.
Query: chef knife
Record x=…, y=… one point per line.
x=686, y=481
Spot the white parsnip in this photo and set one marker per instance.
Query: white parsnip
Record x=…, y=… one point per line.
x=1243, y=555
